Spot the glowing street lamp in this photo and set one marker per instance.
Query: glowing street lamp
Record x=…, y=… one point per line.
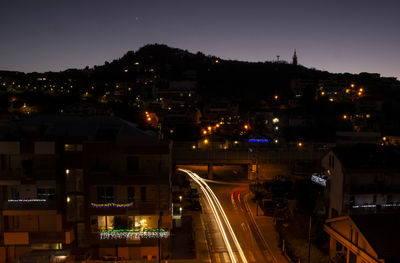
x=205, y=141
x=300, y=144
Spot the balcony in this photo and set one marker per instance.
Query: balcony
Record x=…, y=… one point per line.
x=26, y=238
x=11, y=174
x=29, y=204
x=114, y=207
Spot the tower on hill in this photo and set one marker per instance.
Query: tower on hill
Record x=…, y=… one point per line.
x=294, y=62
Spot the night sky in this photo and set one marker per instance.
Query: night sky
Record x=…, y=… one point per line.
x=337, y=36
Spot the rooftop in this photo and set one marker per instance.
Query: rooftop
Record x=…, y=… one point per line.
x=383, y=233
x=51, y=126
x=368, y=156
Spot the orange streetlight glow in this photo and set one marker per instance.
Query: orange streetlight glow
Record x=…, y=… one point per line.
x=246, y=127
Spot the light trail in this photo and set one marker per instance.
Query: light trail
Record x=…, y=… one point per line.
x=207, y=190
x=214, y=210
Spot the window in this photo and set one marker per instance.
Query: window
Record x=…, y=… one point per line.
x=14, y=192
x=352, y=200
x=105, y=194
x=27, y=167
x=46, y=193
x=356, y=238
x=4, y=162
x=143, y=193
x=334, y=213
x=351, y=234
x=132, y=163
x=73, y=147
x=339, y=246
x=131, y=194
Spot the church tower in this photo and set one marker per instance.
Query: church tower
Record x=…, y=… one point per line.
x=294, y=62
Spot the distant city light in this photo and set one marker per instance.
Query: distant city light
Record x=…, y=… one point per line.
x=205, y=141
x=275, y=120
x=300, y=144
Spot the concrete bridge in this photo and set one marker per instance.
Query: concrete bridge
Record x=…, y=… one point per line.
x=265, y=162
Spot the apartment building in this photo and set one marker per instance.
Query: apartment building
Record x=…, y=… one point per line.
x=363, y=178
x=97, y=184
x=364, y=238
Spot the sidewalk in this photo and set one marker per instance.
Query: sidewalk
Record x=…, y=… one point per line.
x=267, y=229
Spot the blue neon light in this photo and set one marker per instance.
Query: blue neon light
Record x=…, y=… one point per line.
x=258, y=140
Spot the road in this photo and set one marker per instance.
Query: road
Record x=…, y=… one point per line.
x=233, y=233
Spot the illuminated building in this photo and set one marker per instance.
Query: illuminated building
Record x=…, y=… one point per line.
x=78, y=180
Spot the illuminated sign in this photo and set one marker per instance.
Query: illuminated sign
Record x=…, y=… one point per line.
x=258, y=140
x=319, y=179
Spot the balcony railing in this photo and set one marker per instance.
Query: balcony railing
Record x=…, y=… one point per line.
x=25, y=237
x=30, y=204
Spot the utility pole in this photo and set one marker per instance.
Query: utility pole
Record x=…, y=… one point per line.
x=309, y=241
x=159, y=238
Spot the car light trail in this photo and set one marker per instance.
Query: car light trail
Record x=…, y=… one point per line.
x=208, y=192
x=214, y=210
